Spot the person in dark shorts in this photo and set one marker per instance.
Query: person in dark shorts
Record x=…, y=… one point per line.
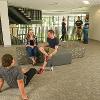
x=15, y=76
x=49, y=49
x=78, y=24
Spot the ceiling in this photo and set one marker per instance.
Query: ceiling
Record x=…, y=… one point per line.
x=52, y=5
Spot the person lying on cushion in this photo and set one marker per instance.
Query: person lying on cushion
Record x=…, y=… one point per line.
x=14, y=75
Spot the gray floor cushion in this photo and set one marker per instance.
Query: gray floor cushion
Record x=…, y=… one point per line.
x=61, y=58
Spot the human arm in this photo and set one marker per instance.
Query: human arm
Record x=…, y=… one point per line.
x=42, y=48
x=29, y=46
x=20, y=82
x=75, y=26
x=54, y=52
x=1, y=84
x=30, y=43
x=22, y=89
x=43, y=51
x=81, y=24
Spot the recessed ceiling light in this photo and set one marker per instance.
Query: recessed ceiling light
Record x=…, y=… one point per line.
x=86, y=2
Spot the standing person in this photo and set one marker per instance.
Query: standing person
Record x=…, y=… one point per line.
x=63, y=29
x=78, y=24
x=15, y=76
x=31, y=45
x=49, y=49
x=85, y=30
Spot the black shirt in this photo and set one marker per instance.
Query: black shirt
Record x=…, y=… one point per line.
x=53, y=42
x=63, y=27
x=32, y=42
x=78, y=23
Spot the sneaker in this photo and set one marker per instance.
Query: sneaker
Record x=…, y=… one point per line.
x=40, y=71
x=51, y=68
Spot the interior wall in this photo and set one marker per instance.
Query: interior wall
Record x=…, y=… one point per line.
x=94, y=15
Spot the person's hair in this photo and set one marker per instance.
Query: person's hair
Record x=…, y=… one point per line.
x=28, y=36
x=87, y=17
x=51, y=31
x=63, y=18
x=29, y=30
x=6, y=60
x=79, y=17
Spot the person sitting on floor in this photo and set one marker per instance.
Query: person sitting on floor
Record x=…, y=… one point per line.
x=49, y=49
x=15, y=76
x=31, y=45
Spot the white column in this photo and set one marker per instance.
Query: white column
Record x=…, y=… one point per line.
x=5, y=23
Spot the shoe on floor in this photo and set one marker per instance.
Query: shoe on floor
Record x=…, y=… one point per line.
x=40, y=71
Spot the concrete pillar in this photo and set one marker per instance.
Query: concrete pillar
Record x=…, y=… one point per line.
x=5, y=23
x=94, y=18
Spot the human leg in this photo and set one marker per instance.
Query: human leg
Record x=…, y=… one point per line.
x=34, y=54
x=30, y=53
x=42, y=49
x=24, y=70
x=49, y=51
x=29, y=75
x=45, y=51
x=79, y=31
x=85, y=37
x=63, y=36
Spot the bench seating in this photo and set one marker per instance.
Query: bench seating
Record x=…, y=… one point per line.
x=61, y=58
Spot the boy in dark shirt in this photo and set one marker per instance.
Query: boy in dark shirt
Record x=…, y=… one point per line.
x=15, y=76
x=49, y=49
x=78, y=24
